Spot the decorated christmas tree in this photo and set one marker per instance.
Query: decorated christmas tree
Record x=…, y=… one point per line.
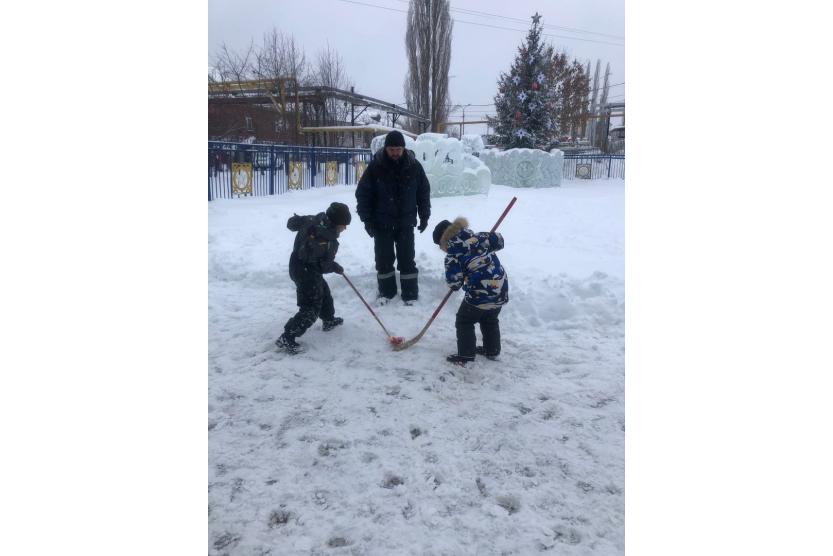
x=528, y=100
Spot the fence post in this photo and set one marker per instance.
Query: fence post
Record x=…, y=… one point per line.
x=347, y=167
x=209, y=175
x=609, y=162
x=312, y=165
x=272, y=157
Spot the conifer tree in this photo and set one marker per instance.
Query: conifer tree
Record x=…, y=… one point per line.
x=528, y=100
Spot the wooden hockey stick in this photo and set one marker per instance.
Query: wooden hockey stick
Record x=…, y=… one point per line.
x=395, y=340
x=415, y=339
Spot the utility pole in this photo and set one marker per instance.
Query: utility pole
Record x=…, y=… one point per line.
x=353, y=116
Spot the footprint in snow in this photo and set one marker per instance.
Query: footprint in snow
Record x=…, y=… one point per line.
x=335, y=542
x=391, y=481
x=330, y=447
x=278, y=518
x=509, y=503
x=566, y=535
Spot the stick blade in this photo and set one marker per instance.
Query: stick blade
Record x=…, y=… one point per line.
x=406, y=345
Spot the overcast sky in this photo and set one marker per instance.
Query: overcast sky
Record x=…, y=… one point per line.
x=371, y=40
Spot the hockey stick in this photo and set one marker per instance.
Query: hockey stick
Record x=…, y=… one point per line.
x=405, y=345
x=395, y=340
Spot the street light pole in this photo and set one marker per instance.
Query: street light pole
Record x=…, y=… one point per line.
x=463, y=124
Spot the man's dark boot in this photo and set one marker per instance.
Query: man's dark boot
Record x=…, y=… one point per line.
x=387, y=284
x=480, y=350
x=332, y=323
x=410, y=286
x=460, y=360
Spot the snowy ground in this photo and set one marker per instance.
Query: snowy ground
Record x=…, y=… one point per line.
x=352, y=448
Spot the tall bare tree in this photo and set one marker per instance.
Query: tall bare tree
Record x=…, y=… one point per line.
x=594, y=106
x=330, y=72
x=279, y=57
x=428, y=46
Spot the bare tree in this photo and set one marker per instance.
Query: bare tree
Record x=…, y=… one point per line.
x=280, y=58
x=603, y=124
x=232, y=67
x=576, y=90
x=428, y=46
x=330, y=72
x=594, y=107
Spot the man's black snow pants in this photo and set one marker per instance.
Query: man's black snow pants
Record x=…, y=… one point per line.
x=391, y=245
x=314, y=300
x=469, y=315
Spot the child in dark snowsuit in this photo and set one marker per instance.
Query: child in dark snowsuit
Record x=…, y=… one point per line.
x=471, y=263
x=313, y=256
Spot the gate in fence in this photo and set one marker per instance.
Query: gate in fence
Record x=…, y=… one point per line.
x=241, y=169
x=593, y=166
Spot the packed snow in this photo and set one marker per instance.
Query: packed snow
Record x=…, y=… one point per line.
x=525, y=167
x=353, y=448
x=450, y=169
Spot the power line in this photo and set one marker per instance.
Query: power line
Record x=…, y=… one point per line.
x=545, y=25
x=455, y=20
x=542, y=34
x=374, y=6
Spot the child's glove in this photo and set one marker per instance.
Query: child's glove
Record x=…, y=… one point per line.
x=422, y=225
x=368, y=227
x=337, y=268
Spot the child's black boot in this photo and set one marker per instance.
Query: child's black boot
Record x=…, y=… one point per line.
x=332, y=323
x=288, y=344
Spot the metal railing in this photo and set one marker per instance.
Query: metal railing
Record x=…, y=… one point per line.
x=275, y=169
x=593, y=166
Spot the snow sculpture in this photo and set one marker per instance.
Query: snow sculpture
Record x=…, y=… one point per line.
x=525, y=167
x=473, y=144
x=450, y=170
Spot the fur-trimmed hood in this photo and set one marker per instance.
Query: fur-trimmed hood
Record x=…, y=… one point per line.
x=460, y=223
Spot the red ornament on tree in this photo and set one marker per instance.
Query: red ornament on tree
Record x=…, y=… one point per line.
x=534, y=86
x=501, y=90
x=517, y=115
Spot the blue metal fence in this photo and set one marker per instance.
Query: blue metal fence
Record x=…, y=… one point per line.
x=278, y=168
x=593, y=166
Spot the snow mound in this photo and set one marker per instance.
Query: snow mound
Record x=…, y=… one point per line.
x=525, y=167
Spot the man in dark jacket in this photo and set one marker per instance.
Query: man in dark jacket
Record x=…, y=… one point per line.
x=313, y=255
x=392, y=192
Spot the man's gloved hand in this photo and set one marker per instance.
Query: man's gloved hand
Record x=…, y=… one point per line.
x=337, y=268
x=422, y=225
x=368, y=227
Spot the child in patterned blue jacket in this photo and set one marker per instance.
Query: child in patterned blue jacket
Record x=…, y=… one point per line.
x=471, y=264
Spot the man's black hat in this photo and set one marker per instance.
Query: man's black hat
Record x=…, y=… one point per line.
x=395, y=139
